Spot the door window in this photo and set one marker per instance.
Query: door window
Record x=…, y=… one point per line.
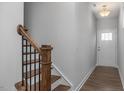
x=106, y=36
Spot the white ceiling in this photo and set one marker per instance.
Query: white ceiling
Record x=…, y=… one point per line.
x=114, y=8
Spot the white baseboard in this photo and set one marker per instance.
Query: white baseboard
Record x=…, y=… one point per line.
x=122, y=79
x=107, y=65
x=85, y=78
x=64, y=77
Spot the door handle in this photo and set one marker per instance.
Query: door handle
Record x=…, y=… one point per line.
x=98, y=49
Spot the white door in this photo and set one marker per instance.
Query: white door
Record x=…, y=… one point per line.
x=106, y=48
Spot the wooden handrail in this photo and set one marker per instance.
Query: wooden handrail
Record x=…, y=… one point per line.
x=45, y=53
x=24, y=32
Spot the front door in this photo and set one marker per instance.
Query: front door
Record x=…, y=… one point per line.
x=106, y=48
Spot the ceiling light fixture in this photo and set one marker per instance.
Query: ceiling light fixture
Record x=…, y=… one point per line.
x=104, y=11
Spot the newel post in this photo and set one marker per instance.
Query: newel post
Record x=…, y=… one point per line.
x=46, y=67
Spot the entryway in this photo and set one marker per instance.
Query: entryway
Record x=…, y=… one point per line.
x=106, y=76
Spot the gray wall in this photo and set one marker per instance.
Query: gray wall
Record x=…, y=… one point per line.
x=11, y=14
x=71, y=29
x=120, y=44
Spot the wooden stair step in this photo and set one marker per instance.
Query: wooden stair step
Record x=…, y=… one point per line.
x=62, y=88
x=32, y=73
x=19, y=86
x=32, y=62
x=29, y=53
x=53, y=79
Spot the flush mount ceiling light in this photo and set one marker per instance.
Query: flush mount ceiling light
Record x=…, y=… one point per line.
x=104, y=11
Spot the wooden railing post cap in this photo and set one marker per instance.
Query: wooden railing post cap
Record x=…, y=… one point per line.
x=18, y=29
x=20, y=26
x=46, y=47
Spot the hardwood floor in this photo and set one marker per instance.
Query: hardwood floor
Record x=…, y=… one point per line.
x=103, y=79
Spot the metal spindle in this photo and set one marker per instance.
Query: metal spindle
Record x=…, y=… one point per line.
x=39, y=72
x=26, y=67
x=35, y=69
x=30, y=66
x=22, y=62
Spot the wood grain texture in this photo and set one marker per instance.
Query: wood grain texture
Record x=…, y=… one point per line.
x=32, y=62
x=54, y=78
x=33, y=73
x=24, y=32
x=62, y=88
x=19, y=86
x=46, y=67
x=28, y=53
x=44, y=51
x=103, y=79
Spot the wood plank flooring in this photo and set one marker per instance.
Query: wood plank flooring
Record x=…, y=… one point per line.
x=103, y=79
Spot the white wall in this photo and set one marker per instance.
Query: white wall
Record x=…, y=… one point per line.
x=11, y=14
x=107, y=56
x=71, y=29
x=121, y=43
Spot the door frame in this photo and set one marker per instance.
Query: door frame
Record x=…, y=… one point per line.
x=97, y=41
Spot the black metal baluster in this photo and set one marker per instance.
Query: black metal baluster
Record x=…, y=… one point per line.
x=30, y=67
x=22, y=62
x=26, y=67
x=39, y=73
x=35, y=69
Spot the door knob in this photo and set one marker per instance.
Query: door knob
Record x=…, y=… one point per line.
x=98, y=49
x=98, y=46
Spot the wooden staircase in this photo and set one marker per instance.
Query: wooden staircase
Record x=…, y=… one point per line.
x=54, y=78
x=36, y=66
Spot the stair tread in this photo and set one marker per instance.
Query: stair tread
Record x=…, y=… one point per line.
x=62, y=87
x=32, y=73
x=32, y=61
x=19, y=86
x=53, y=79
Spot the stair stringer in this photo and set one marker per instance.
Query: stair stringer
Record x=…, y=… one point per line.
x=63, y=80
